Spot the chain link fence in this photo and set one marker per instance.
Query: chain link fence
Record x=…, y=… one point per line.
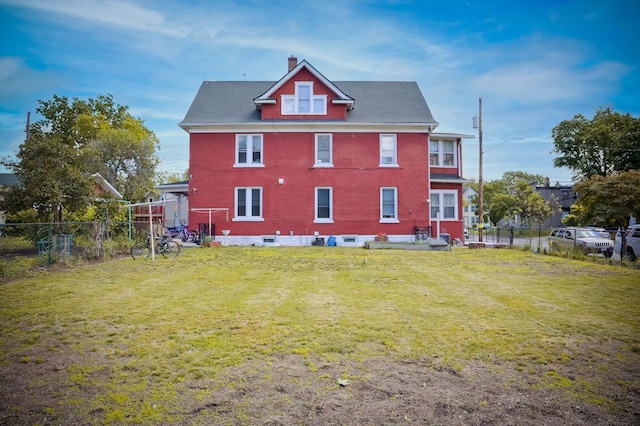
x=68, y=241
x=534, y=238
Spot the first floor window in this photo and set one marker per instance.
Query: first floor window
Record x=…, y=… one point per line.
x=324, y=201
x=248, y=150
x=248, y=204
x=388, y=205
x=444, y=203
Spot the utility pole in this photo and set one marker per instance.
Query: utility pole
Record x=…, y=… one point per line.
x=478, y=124
x=28, y=126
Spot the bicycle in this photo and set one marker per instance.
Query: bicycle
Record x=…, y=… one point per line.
x=164, y=246
x=186, y=236
x=183, y=233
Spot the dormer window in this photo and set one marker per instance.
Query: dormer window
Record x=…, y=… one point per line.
x=304, y=101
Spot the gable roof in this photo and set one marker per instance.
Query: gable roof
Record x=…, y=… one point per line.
x=377, y=102
x=341, y=98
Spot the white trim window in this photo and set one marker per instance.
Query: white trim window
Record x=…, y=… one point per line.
x=248, y=204
x=324, y=150
x=444, y=202
x=442, y=153
x=324, y=205
x=389, y=205
x=304, y=101
x=388, y=151
x=249, y=151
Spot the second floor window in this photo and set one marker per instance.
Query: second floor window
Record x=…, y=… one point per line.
x=304, y=101
x=388, y=150
x=249, y=150
x=442, y=153
x=324, y=151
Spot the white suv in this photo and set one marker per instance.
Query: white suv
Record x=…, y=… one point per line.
x=633, y=242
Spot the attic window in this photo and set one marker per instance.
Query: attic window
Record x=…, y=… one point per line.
x=304, y=101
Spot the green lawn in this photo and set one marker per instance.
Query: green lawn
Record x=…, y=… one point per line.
x=136, y=341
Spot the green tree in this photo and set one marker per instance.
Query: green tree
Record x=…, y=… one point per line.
x=609, y=200
x=530, y=205
x=73, y=140
x=607, y=143
x=498, y=194
x=514, y=177
x=124, y=156
x=502, y=205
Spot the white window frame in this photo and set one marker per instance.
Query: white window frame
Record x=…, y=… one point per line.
x=315, y=214
x=393, y=219
x=249, y=154
x=437, y=201
x=290, y=104
x=318, y=162
x=385, y=159
x=249, y=204
x=441, y=153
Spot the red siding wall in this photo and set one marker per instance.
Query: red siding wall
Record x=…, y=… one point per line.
x=356, y=179
x=455, y=228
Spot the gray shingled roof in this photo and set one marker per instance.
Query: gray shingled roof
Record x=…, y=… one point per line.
x=9, y=179
x=376, y=102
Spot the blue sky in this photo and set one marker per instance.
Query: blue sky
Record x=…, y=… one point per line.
x=533, y=63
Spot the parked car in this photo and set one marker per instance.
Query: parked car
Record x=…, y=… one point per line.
x=633, y=242
x=583, y=239
x=601, y=231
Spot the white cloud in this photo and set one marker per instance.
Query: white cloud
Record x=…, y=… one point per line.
x=17, y=80
x=110, y=12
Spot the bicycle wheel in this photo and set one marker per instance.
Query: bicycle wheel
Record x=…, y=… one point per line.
x=140, y=250
x=171, y=249
x=192, y=237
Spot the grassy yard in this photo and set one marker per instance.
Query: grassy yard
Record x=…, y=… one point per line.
x=249, y=335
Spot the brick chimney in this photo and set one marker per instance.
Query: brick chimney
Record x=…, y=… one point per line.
x=293, y=62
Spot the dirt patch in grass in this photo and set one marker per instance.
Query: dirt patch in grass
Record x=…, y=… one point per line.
x=333, y=390
x=380, y=391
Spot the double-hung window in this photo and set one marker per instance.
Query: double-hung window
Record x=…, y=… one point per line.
x=249, y=151
x=389, y=205
x=324, y=205
x=434, y=153
x=442, y=153
x=388, y=151
x=324, y=150
x=304, y=101
x=248, y=204
x=444, y=203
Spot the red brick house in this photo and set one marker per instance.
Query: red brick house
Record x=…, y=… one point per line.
x=285, y=162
